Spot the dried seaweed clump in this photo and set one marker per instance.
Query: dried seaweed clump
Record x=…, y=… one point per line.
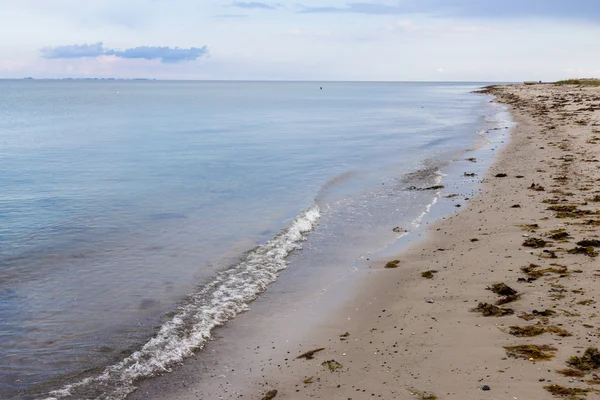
x=537, y=187
x=332, y=365
x=588, y=361
x=392, y=264
x=422, y=395
x=534, y=242
x=588, y=251
x=535, y=330
x=589, y=243
x=502, y=289
x=427, y=274
x=534, y=273
x=309, y=355
x=558, y=390
x=571, y=373
x=490, y=310
x=508, y=299
x=531, y=351
x=270, y=395
x=558, y=234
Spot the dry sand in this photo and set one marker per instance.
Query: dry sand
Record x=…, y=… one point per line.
x=403, y=336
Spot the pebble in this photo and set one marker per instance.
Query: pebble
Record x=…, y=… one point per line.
x=430, y=300
x=485, y=387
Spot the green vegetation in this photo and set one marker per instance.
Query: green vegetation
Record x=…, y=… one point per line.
x=581, y=81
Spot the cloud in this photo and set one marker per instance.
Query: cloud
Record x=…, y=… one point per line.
x=254, y=5
x=559, y=9
x=74, y=51
x=162, y=53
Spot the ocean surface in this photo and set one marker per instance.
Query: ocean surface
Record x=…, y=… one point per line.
x=135, y=216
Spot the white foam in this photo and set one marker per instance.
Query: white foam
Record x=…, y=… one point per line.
x=216, y=303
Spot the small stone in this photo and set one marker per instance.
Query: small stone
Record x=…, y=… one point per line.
x=430, y=300
x=485, y=387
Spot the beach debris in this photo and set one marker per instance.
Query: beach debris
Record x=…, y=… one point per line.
x=309, y=355
x=427, y=274
x=536, y=187
x=587, y=302
x=558, y=390
x=436, y=187
x=485, y=388
x=332, y=365
x=531, y=352
x=529, y=227
x=519, y=176
x=308, y=380
x=489, y=310
x=572, y=373
x=558, y=234
x=502, y=289
x=422, y=395
x=588, y=361
x=474, y=240
x=501, y=175
x=344, y=336
x=469, y=174
x=398, y=229
x=270, y=395
x=536, y=330
x=472, y=159
x=508, y=299
x=534, y=242
x=515, y=206
x=430, y=301
x=392, y=264
x=547, y=254
x=588, y=251
x=450, y=196
x=589, y=243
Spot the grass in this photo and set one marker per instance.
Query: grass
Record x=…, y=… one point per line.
x=580, y=81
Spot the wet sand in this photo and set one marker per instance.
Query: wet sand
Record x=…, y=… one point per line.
x=405, y=336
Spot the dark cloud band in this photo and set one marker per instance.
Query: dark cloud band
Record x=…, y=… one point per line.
x=164, y=54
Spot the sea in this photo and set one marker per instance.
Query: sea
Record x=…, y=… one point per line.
x=137, y=216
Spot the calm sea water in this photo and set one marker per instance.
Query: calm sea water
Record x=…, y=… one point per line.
x=136, y=216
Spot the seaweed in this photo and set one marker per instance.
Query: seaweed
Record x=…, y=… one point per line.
x=588, y=251
x=536, y=187
x=332, y=365
x=589, y=361
x=536, y=330
x=589, y=243
x=528, y=227
x=534, y=242
x=309, y=355
x=501, y=175
x=531, y=352
x=422, y=395
x=427, y=274
x=558, y=234
x=474, y=240
x=392, y=264
x=508, y=299
x=489, y=310
x=586, y=302
x=308, y=380
x=563, y=208
x=270, y=395
x=502, y=289
x=558, y=390
x=534, y=273
x=572, y=373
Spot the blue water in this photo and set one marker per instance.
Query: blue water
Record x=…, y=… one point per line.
x=139, y=209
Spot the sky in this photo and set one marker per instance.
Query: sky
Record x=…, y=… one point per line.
x=396, y=40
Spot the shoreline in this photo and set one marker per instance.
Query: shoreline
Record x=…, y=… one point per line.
x=226, y=368
x=405, y=336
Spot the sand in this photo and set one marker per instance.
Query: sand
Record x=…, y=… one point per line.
x=404, y=336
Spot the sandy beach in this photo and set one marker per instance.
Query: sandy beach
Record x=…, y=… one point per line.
x=419, y=329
